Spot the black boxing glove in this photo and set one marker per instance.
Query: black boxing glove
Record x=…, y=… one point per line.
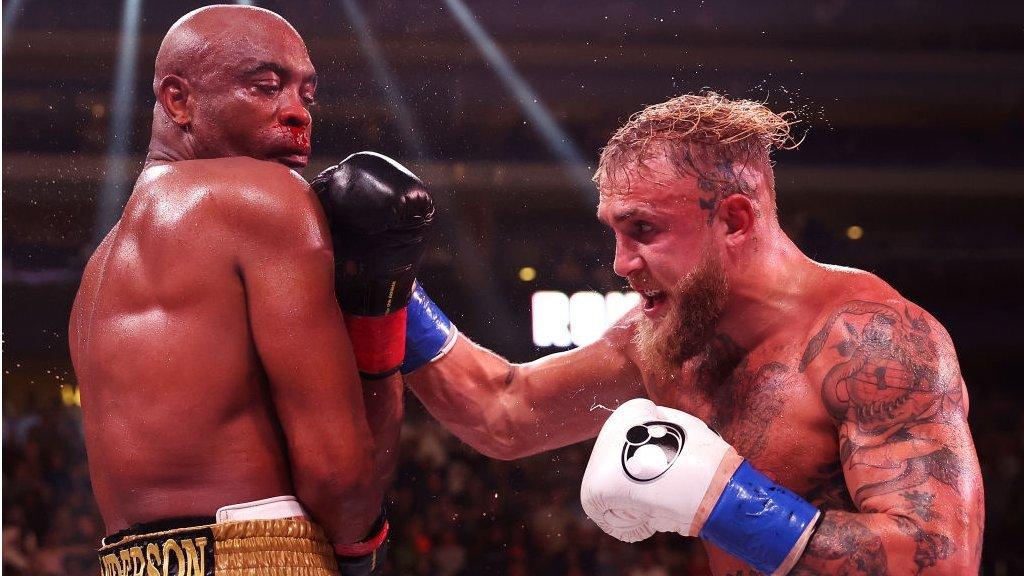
x=379, y=214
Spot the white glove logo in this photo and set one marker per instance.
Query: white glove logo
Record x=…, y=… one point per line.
x=651, y=449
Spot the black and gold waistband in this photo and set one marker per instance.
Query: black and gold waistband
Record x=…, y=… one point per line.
x=282, y=547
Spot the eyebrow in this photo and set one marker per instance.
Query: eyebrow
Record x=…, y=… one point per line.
x=628, y=214
x=625, y=215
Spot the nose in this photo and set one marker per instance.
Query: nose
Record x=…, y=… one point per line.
x=627, y=259
x=295, y=113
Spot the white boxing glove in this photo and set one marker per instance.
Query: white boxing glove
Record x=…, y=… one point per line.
x=655, y=469
x=650, y=471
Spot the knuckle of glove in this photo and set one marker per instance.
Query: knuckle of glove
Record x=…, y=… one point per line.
x=417, y=209
x=373, y=196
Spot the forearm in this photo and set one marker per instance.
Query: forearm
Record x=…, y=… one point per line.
x=384, y=402
x=879, y=543
x=507, y=410
x=471, y=392
x=339, y=492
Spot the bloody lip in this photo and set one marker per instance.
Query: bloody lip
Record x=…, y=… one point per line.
x=300, y=137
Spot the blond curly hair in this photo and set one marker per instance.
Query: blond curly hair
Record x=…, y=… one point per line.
x=698, y=133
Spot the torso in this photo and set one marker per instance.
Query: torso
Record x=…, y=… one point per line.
x=762, y=404
x=177, y=418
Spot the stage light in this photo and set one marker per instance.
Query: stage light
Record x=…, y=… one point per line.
x=527, y=274
x=855, y=232
x=562, y=321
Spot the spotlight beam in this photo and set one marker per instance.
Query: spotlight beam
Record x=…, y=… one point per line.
x=490, y=303
x=554, y=137
x=11, y=13
x=113, y=193
x=386, y=79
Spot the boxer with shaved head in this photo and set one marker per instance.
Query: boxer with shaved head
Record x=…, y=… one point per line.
x=797, y=417
x=224, y=413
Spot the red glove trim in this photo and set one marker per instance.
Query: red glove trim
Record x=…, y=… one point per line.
x=366, y=546
x=378, y=341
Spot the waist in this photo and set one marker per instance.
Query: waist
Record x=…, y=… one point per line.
x=253, y=537
x=265, y=509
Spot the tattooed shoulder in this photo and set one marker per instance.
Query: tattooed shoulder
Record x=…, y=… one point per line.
x=886, y=364
x=890, y=377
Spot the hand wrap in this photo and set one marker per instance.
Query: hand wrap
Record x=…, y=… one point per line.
x=429, y=334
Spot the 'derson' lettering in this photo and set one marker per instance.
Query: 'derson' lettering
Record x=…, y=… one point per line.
x=152, y=559
x=138, y=561
x=195, y=561
x=111, y=565
x=171, y=546
x=125, y=562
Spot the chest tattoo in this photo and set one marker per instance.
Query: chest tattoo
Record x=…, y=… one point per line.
x=742, y=402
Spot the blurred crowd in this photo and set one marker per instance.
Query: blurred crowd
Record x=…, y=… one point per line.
x=454, y=512
x=50, y=522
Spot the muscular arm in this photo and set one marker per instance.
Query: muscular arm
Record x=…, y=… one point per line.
x=287, y=270
x=510, y=411
x=890, y=379
x=383, y=400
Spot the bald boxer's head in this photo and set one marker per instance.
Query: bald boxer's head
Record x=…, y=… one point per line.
x=688, y=188
x=233, y=81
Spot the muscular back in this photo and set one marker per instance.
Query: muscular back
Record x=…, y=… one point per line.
x=175, y=399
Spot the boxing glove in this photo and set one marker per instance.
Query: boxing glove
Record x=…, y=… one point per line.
x=379, y=214
x=655, y=469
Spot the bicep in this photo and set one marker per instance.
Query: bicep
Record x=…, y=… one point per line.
x=923, y=465
x=286, y=268
x=891, y=380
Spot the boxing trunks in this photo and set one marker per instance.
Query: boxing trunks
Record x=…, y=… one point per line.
x=271, y=537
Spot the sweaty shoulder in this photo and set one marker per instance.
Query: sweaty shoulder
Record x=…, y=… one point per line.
x=255, y=198
x=865, y=320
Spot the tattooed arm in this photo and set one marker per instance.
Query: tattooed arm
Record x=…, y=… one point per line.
x=890, y=380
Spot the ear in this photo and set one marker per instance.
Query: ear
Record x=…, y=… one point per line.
x=738, y=214
x=172, y=92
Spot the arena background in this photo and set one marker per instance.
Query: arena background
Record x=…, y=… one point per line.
x=912, y=168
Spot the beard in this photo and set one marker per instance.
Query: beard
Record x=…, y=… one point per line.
x=694, y=307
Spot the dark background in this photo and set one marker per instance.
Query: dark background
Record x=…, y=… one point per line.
x=913, y=113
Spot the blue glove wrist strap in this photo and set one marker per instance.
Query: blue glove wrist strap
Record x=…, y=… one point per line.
x=428, y=332
x=756, y=520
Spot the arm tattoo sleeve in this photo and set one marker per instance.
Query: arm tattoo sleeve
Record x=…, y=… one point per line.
x=890, y=380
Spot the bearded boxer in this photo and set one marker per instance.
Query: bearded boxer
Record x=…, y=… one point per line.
x=844, y=446
x=224, y=415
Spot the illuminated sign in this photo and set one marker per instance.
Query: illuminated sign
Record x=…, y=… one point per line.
x=563, y=321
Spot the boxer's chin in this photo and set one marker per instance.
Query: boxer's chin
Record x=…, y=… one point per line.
x=688, y=325
x=294, y=161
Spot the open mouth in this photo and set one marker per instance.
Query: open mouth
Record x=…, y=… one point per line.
x=653, y=300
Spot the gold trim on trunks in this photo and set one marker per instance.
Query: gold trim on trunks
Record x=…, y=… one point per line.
x=282, y=547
